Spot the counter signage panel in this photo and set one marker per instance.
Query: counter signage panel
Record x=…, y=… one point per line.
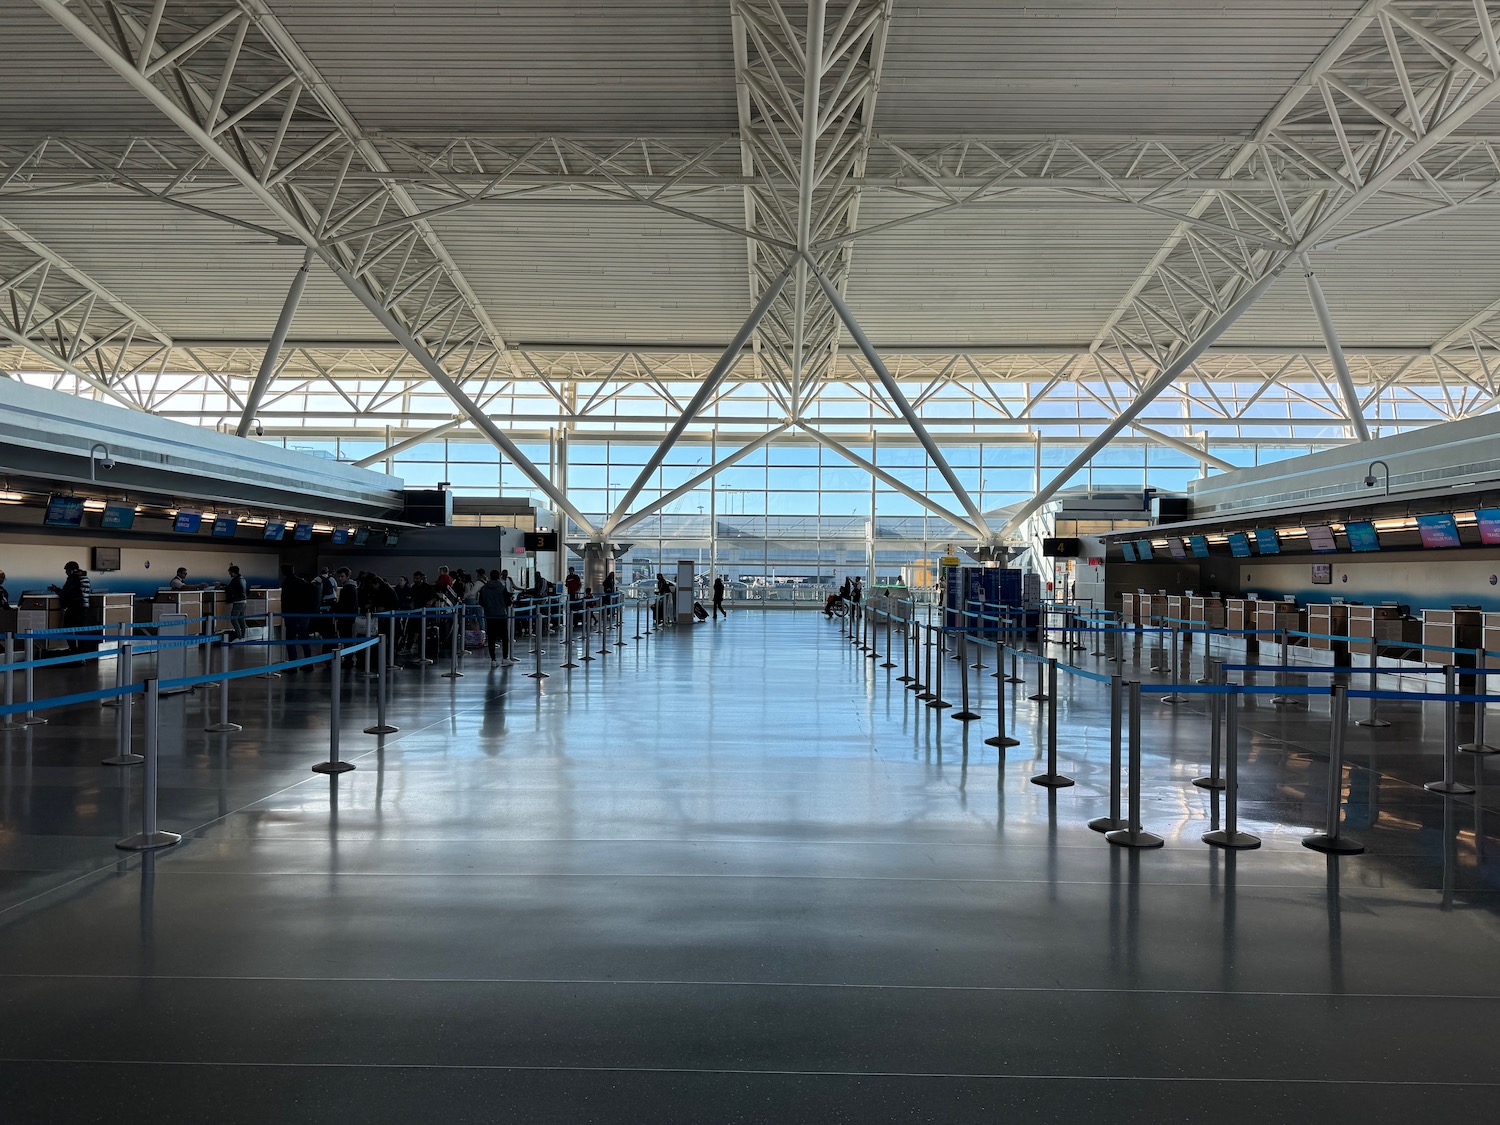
x=1438, y=530
x=1362, y=536
x=1143, y=549
x=1266, y=542
x=225, y=527
x=361, y=536
x=1239, y=544
x=118, y=517
x=1127, y=552
x=1320, y=538
x=64, y=511
x=1177, y=548
x=275, y=529
x=341, y=535
x=1489, y=526
x=188, y=523
x=303, y=532
x=1198, y=544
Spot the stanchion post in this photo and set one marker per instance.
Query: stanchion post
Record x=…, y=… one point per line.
x=31, y=718
x=223, y=726
x=1176, y=668
x=1450, y=784
x=124, y=678
x=335, y=715
x=979, y=664
x=1000, y=738
x=925, y=692
x=457, y=627
x=1052, y=779
x=1040, y=695
x=890, y=652
x=872, y=634
x=937, y=702
x=963, y=714
x=1230, y=836
x=1481, y=689
x=1214, y=779
x=536, y=629
x=905, y=677
x=382, y=684
x=1133, y=835
x=1114, y=821
x=150, y=836
x=8, y=721
x=1330, y=839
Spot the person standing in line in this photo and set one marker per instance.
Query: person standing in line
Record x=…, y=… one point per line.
x=859, y=590
x=73, y=596
x=4, y=595
x=299, y=602
x=237, y=595
x=719, y=597
x=495, y=602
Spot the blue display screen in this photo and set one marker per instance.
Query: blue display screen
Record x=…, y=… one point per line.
x=1127, y=551
x=118, y=517
x=1266, y=542
x=188, y=522
x=304, y=531
x=1320, y=538
x=225, y=527
x=1362, y=536
x=274, y=530
x=1438, y=530
x=1239, y=544
x=1489, y=526
x=1143, y=549
x=341, y=535
x=64, y=511
x=1198, y=544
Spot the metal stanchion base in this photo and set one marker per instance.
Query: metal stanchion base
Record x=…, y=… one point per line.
x=872, y=655
x=569, y=664
x=938, y=704
x=903, y=679
x=1052, y=780
x=145, y=841
x=923, y=695
x=31, y=722
x=887, y=664
x=1209, y=782
x=1039, y=698
x=996, y=740
x=382, y=729
x=269, y=676
x=585, y=659
x=1015, y=679
x=1174, y=700
x=1226, y=839
x=540, y=675
x=1108, y=824
x=1077, y=648
x=621, y=644
x=1474, y=748
x=1288, y=701
x=223, y=728
x=1448, y=787
x=1126, y=838
x=332, y=767
x=122, y=760
x=964, y=716
x=1371, y=723
x=1334, y=845
x=453, y=675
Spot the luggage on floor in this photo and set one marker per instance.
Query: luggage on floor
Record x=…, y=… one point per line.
x=699, y=612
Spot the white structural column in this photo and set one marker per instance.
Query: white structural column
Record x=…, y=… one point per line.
x=727, y=360
x=1422, y=98
x=410, y=302
x=893, y=389
x=1335, y=352
x=273, y=348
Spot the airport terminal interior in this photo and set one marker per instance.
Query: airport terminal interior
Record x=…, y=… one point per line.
x=749, y=560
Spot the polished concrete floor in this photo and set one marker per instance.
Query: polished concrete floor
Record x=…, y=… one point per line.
x=735, y=873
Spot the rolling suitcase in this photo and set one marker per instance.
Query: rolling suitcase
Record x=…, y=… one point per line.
x=699, y=612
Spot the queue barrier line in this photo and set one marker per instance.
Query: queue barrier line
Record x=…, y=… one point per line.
x=7, y=710
x=85, y=657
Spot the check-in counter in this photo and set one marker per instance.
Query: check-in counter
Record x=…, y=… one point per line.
x=35, y=612
x=186, y=602
x=267, y=603
x=1206, y=612
x=1147, y=608
x=1370, y=623
x=1491, y=634
x=1325, y=621
x=1452, y=628
x=1176, y=609
x=215, y=611
x=1239, y=614
x=1276, y=617
x=109, y=609
x=1127, y=609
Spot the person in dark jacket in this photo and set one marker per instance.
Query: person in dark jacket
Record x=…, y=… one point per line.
x=237, y=594
x=299, y=604
x=719, y=597
x=73, y=596
x=495, y=602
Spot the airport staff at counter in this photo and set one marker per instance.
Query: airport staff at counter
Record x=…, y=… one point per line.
x=180, y=582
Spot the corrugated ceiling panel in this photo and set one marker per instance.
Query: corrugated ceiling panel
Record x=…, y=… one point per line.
x=193, y=276
x=592, y=271
x=565, y=65
x=1002, y=275
x=1129, y=65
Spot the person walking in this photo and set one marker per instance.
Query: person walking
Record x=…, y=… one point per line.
x=495, y=602
x=299, y=603
x=719, y=597
x=238, y=597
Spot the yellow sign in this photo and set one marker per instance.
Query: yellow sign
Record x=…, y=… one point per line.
x=948, y=560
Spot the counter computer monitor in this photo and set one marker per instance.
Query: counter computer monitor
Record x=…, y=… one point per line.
x=1489, y=526
x=225, y=527
x=1143, y=549
x=118, y=517
x=1198, y=544
x=1239, y=544
x=1320, y=538
x=1438, y=530
x=1127, y=552
x=1266, y=542
x=1362, y=536
x=188, y=523
x=275, y=529
x=1176, y=548
x=64, y=511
